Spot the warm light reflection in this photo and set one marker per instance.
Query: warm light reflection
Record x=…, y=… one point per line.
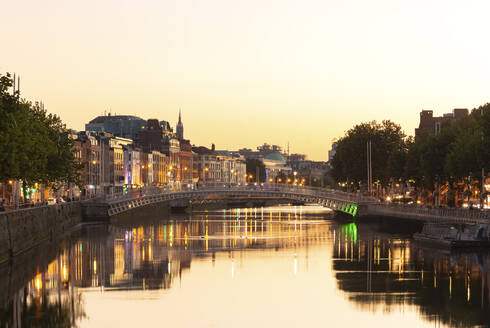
x=362, y=264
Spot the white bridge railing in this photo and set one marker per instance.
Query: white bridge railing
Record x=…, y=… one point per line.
x=226, y=189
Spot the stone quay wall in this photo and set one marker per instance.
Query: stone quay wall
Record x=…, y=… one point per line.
x=23, y=229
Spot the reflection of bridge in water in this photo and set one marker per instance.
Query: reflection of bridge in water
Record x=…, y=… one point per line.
x=372, y=268
x=146, y=256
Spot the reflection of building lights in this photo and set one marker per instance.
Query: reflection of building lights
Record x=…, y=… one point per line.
x=39, y=283
x=95, y=266
x=450, y=285
x=65, y=273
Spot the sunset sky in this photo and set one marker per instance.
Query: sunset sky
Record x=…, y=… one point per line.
x=248, y=72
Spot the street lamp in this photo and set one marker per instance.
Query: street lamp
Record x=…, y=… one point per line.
x=206, y=170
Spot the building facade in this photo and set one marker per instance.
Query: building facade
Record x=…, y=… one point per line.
x=431, y=124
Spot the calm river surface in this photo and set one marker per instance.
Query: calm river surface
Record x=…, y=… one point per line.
x=259, y=267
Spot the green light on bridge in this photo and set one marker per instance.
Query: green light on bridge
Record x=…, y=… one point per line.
x=353, y=209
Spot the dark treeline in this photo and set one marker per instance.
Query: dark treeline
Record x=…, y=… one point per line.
x=35, y=146
x=448, y=163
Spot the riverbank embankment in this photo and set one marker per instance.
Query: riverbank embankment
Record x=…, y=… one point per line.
x=24, y=229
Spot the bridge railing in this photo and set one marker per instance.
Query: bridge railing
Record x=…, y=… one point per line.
x=223, y=189
x=440, y=213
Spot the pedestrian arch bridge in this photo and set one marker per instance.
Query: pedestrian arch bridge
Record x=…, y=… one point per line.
x=336, y=200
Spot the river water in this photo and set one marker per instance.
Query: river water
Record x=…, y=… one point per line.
x=258, y=267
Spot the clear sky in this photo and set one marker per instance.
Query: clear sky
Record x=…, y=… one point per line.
x=254, y=71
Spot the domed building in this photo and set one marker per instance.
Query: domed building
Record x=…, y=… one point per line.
x=274, y=163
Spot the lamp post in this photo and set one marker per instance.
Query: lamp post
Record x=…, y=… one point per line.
x=168, y=175
x=94, y=180
x=206, y=170
x=185, y=175
x=482, y=190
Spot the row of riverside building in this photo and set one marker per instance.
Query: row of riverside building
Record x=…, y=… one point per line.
x=122, y=151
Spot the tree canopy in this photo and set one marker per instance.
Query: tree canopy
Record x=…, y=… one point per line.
x=35, y=146
x=388, y=152
x=460, y=150
x=254, y=166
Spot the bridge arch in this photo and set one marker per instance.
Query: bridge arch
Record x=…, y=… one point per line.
x=335, y=200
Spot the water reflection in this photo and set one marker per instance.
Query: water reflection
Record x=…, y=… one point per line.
x=382, y=271
x=299, y=248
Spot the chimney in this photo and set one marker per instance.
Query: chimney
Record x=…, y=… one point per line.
x=213, y=147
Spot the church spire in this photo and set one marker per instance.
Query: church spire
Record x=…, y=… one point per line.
x=180, y=127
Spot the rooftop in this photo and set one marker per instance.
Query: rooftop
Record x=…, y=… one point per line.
x=102, y=119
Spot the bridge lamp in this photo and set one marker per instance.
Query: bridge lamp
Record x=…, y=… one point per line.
x=295, y=173
x=270, y=179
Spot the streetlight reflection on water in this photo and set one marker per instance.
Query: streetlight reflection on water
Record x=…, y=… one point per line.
x=368, y=268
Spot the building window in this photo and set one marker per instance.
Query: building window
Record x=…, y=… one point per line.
x=437, y=128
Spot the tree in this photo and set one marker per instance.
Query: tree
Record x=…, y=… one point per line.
x=254, y=166
x=34, y=146
x=388, y=152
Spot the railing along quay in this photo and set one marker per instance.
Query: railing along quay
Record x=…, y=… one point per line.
x=434, y=214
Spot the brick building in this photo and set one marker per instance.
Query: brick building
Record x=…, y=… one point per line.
x=430, y=124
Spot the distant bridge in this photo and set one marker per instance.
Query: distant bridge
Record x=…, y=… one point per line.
x=336, y=200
